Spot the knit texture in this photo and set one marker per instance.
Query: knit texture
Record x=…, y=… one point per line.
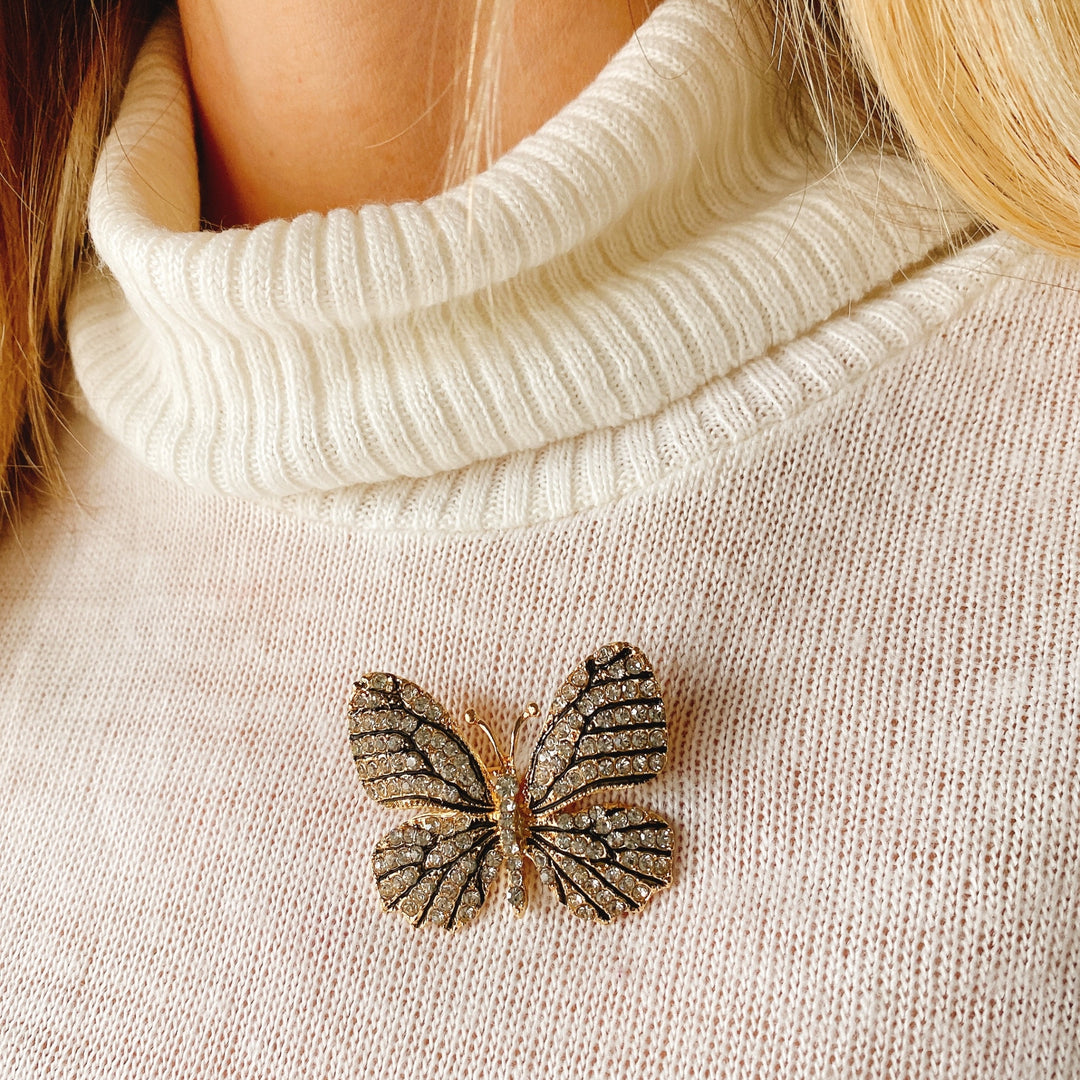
x=586, y=301
x=830, y=489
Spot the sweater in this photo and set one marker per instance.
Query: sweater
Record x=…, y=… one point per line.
x=801, y=434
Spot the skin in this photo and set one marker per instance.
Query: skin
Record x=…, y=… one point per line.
x=312, y=104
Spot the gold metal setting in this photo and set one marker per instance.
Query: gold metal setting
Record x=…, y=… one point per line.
x=605, y=729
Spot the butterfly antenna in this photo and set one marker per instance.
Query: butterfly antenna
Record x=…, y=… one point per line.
x=532, y=710
x=474, y=721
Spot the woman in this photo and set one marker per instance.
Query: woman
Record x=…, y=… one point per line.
x=660, y=374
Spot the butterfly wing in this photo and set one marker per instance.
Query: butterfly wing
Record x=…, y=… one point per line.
x=606, y=728
x=603, y=861
x=407, y=752
x=437, y=868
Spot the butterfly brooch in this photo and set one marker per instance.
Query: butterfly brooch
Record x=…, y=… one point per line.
x=605, y=729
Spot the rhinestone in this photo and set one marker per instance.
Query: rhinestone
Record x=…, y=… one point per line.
x=400, y=721
x=622, y=766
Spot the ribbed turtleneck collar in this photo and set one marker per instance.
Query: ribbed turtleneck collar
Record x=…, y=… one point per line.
x=511, y=350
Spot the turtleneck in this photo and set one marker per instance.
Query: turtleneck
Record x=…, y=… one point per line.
x=653, y=274
x=819, y=464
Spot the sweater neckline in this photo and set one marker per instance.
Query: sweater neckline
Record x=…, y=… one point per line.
x=510, y=350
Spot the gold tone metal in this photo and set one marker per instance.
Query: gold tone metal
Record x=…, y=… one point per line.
x=531, y=710
x=605, y=729
x=472, y=720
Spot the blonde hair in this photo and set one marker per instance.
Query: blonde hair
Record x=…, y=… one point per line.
x=986, y=91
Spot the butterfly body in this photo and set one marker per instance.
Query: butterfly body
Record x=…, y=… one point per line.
x=606, y=728
x=510, y=817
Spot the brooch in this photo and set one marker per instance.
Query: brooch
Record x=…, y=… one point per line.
x=605, y=729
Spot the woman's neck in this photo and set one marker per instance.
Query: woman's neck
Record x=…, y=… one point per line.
x=325, y=103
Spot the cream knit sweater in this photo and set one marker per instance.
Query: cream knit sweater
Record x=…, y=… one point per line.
x=647, y=379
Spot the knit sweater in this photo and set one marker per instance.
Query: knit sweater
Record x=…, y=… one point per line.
x=798, y=433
